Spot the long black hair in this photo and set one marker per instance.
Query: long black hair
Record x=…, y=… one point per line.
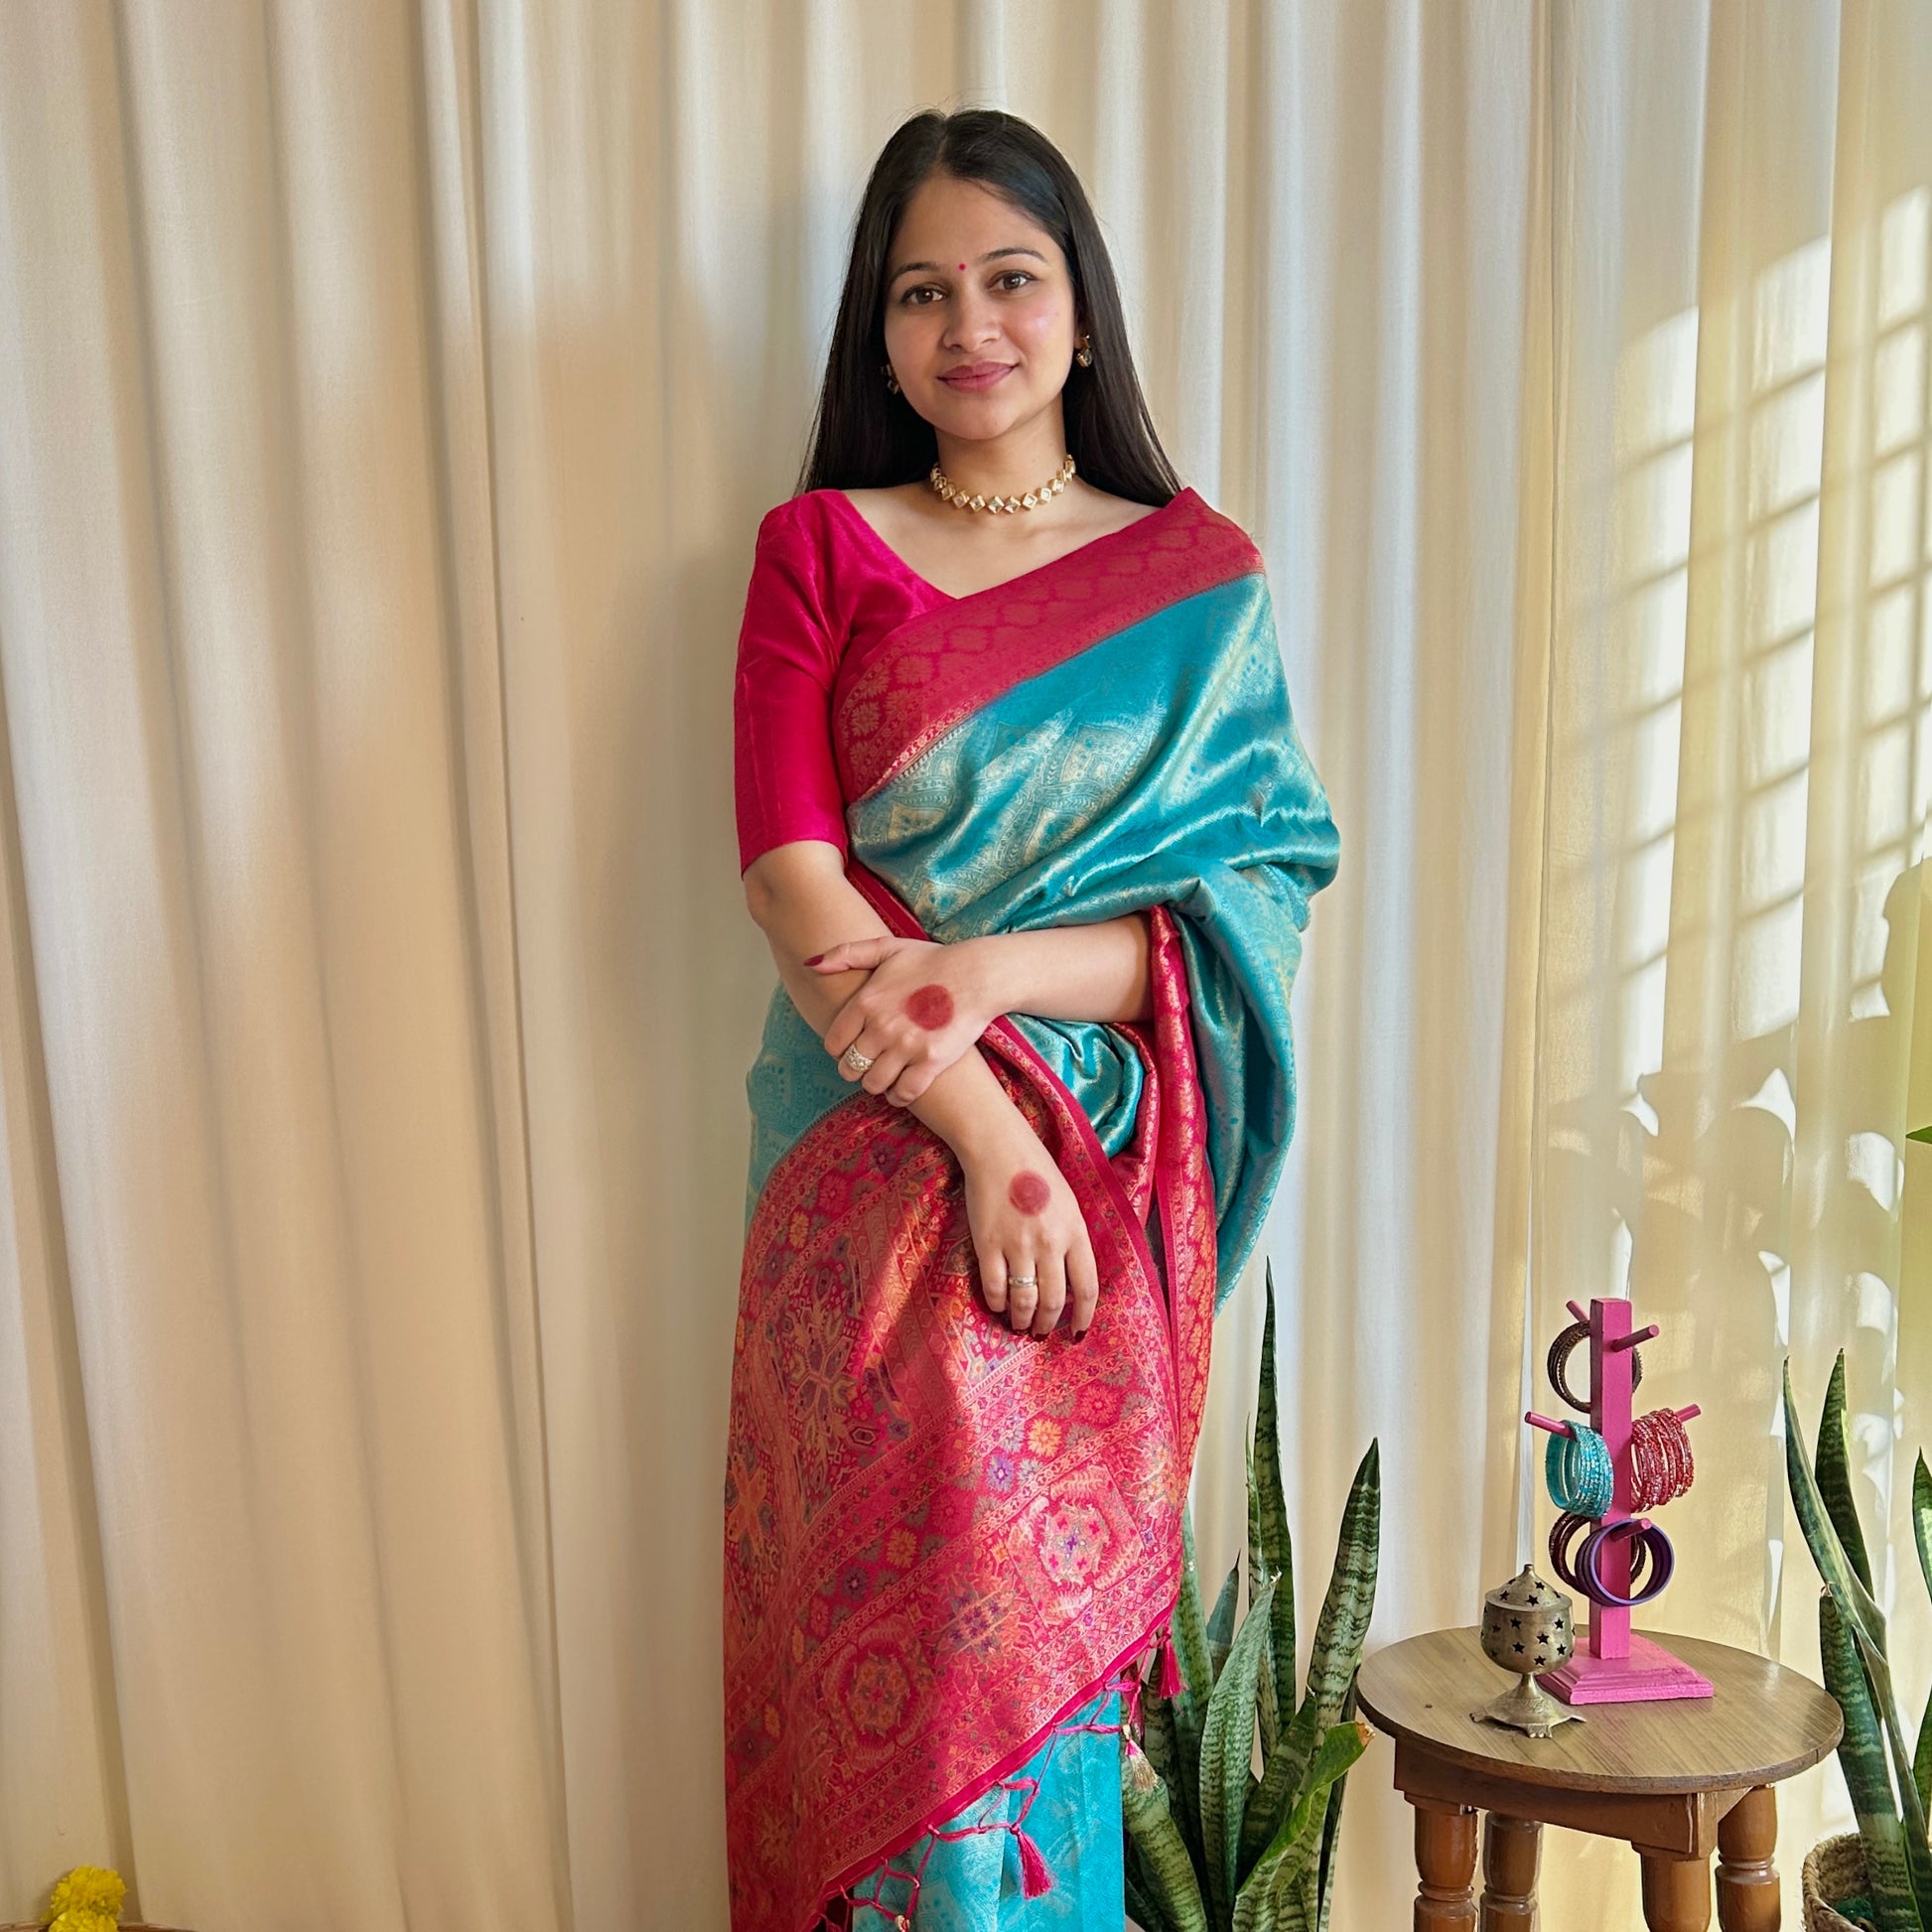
x=865, y=436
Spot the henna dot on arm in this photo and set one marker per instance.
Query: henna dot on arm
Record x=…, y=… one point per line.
x=1029, y=1191
x=929, y=1006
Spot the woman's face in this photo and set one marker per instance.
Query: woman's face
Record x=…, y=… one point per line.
x=979, y=311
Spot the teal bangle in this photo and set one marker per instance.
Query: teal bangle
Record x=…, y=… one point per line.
x=1577, y=1469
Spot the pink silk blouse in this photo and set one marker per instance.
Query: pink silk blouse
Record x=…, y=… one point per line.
x=822, y=580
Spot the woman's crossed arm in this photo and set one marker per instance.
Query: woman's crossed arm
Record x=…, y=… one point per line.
x=916, y=1010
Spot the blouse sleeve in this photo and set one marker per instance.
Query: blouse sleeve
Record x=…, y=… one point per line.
x=787, y=783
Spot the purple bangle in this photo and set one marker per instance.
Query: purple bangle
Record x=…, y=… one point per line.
x=1651, y=1563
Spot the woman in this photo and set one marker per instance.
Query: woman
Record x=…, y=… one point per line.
x=1023, y=812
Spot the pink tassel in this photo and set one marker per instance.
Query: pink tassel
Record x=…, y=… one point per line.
x=1169, y=1683
x=1035, y=1875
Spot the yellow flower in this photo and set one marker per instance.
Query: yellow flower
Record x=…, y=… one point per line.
x=74, y=1919
x=88, y=1891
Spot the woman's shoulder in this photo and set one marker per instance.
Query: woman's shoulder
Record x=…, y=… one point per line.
x=807, y=510
x=1217, y=531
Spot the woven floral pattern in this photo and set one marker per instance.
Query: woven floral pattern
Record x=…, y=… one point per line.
x=941, y=1535
x=895, y=700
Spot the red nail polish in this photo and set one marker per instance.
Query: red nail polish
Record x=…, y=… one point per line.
x=815, y=958
x=1080, y=1334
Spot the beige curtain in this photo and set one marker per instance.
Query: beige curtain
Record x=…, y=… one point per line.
x=388, y=398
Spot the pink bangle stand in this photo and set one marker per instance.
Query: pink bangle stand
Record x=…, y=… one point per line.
x=1618, y=1666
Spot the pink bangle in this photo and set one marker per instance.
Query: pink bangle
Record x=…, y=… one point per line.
x=1662, y=1466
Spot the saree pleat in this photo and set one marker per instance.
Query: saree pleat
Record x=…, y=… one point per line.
x=945, y=1542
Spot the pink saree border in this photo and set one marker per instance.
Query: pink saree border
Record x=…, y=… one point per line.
x=1163, y=1168
x=1179, y=1168
x=894, y=699
x=1182, y=1182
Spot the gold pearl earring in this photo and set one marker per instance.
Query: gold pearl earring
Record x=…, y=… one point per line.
x=1084, y=353
x=891, y=382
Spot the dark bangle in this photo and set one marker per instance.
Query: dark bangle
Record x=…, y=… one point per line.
x=1557, y=1363
x=1562, y=1538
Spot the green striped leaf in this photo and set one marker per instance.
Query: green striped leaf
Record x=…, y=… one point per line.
x=1923, y=1517
x=1302, y=1908
x=1862, y=1758
x=1257, y=1570
x=1189, y=1631
x=1141, y=1908
x=1268, y=1711
x=1922, y=1758
x=1834, y=1466
x=1868, y=1621
x=1273, y=1896
x=1866, y=1625
x=1331, y=1834
x=1922, y=1536
x=1157, y=1733
x=1227, y=1745
x=1918, y=1852
x=1324, y=1873
x=1166, y=1863
x=1220, y=1622
x=1277, y=1547
x=1340, y=1634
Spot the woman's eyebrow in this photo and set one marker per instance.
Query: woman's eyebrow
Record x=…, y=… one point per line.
x=938, y=268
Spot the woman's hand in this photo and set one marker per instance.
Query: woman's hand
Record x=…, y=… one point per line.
x=1026, y=1221
x=921, y=1008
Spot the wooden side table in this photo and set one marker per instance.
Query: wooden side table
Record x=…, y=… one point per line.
x=1677, y=1782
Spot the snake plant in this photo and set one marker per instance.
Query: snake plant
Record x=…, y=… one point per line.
x=1212, y=1848
x=1889, y=1779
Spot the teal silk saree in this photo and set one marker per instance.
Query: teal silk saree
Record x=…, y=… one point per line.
x=949, y=1548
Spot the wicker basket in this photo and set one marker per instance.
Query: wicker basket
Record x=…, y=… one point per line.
x=125, y=1925
x=1833, y=1868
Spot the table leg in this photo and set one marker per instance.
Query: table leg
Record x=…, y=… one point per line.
x=1676, y=1891
x=1445, y=1860
x=1511, y=1847
x=1747, y=1880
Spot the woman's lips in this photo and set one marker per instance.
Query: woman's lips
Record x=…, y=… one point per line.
x=982, y=378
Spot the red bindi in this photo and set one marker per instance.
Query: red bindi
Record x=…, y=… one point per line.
x=1029, y=1191
x=929, y=1006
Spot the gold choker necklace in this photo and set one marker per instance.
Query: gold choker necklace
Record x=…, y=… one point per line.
x=951, y=491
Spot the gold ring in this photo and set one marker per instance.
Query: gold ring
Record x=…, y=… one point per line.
x=857, y=1061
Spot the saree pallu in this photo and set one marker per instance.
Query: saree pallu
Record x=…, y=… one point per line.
x=946, y=1545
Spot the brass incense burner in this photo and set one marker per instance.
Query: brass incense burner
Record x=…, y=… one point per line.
x=1526, y=1628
